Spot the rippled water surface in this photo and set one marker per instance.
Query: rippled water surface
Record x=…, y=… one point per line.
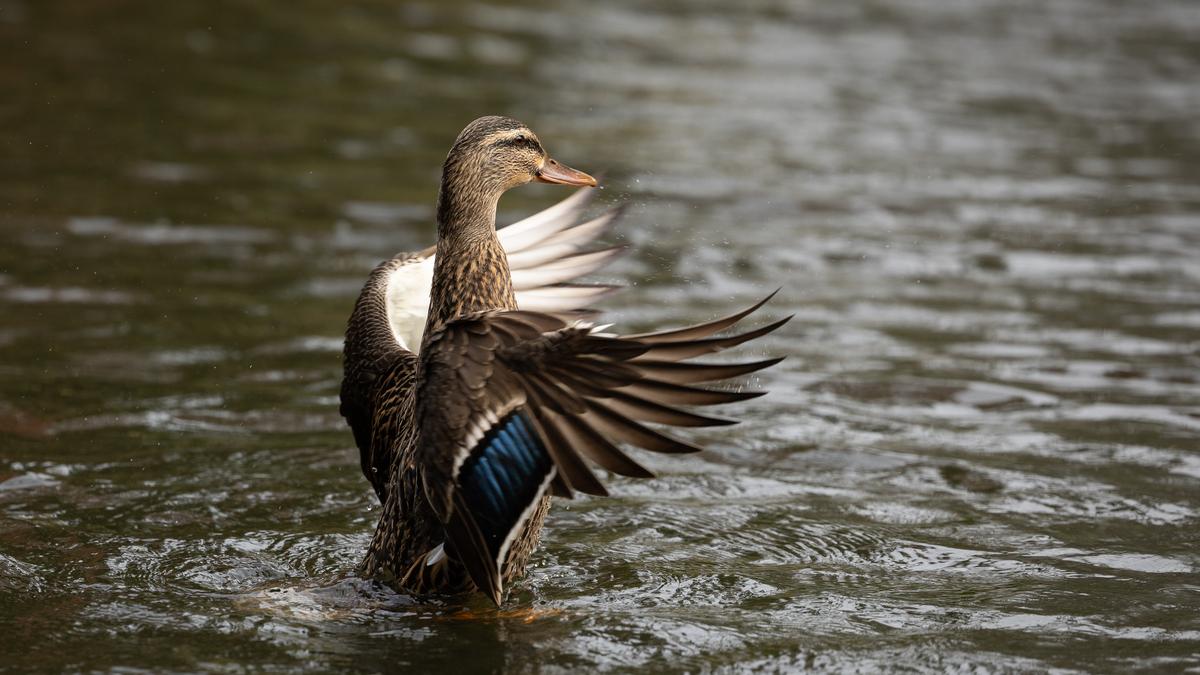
x=981, y=453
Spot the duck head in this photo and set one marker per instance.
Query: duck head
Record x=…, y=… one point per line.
x=494, y=154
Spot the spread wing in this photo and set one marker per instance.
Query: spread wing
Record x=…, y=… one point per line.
x=549, y=250
x=513, y=405
x=546, y=252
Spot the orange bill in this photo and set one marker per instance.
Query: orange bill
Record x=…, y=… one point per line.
x=554, y=172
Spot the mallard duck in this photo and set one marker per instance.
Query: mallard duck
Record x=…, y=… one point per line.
x=476, y=390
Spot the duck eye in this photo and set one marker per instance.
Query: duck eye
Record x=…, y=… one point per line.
x=519, y=141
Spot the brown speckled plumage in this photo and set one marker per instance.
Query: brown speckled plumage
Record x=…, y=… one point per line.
x=531, y=394
x=378, y=379
x=470, y=274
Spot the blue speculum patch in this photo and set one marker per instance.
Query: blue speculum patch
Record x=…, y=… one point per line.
x=503, y=475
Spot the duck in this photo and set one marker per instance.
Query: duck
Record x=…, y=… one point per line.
x=478, y=386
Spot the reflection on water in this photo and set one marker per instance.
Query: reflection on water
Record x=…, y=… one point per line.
x=981, y=453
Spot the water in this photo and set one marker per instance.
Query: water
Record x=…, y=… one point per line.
x=980, y=455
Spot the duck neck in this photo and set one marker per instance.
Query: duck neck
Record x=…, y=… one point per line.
x=470, y=271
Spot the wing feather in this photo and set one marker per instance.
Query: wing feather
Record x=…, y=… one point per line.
x=563, y=296
x=570, y=465
x=582, y=393
x=538, y=227
x=686, y=349
x=564, y=243
x=676, y=372
x=703, y=329
x=564, y=269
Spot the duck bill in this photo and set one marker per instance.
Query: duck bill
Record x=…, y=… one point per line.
x=561, y=174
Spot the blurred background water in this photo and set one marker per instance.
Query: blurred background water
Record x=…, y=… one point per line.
x=980, y=455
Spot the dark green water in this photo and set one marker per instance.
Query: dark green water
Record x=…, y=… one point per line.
x=981, y=455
